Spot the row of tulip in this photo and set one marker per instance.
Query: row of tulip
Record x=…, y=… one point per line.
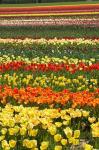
x=47, y=11
x=45, y=60
x=51, y=22
x=54, y=41
x=50, y=47
x=46, y=96
x=47, y=129
x=56, y=82
x=50, y=10
x=51, y=17
x=50, y=14
x=72, y=68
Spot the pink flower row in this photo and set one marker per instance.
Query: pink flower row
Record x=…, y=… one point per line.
x=52, y=22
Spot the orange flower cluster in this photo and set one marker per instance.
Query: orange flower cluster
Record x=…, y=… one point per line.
x=40, y=95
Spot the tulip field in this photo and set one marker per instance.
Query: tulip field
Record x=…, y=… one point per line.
x=49, y=87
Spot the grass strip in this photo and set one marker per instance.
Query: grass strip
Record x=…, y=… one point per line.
x=49, y=32
x=49, y=4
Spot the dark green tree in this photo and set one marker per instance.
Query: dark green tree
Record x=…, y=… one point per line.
x=39, y=1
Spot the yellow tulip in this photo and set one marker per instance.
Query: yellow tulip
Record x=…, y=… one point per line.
x=12, y=143
x=4, y=144
x=44, y=145
x=85, y=113
x=91, y=119
x=58, y=147
x=3, y=131
x=64, y=141
x=2, y=137
x=76, y=133
x=76, y=142
x=57, y=137
x=58, y=124
x=12, y=131
x=33, y=132
x=23, y=131
x=52, y=130
x=88, y=147
x=68, y=132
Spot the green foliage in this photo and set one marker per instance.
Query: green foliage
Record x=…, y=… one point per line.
x=48, y=32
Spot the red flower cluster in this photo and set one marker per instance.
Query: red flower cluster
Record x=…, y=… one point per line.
x=72, y=68
x=50, y=9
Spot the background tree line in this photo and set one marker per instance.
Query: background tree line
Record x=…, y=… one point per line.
x=35, y=1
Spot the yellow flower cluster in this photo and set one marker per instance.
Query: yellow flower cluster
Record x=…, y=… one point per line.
x=72, y=137
x=45, y=60
x=54, y=41
x=95, y=129
x=79, y=83
x=25, y=127
x=50, y=14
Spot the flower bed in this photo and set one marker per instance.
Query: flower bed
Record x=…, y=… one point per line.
x=49, y=94
x=52, y=45
x=42, y=96
x=51, y=22
x=30, y=128
x=49, y=14
x=51, y=10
